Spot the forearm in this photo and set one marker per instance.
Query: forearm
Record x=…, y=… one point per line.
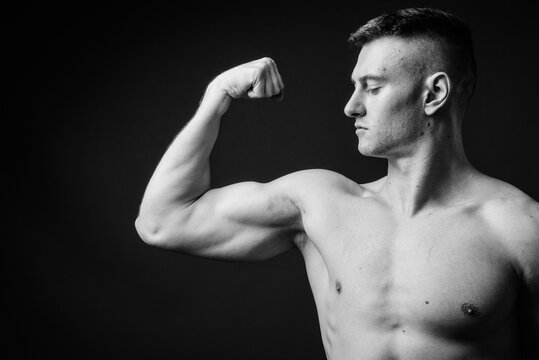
x=183, y=174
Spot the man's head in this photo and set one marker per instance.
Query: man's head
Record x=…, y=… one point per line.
x=415, y=69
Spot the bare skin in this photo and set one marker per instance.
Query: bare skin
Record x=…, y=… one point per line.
x=433, y=261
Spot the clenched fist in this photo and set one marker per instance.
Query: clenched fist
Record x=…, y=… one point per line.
x=256, y=79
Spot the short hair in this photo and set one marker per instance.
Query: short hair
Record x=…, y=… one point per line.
x=430, y=24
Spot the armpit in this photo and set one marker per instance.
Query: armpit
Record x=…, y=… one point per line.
x=301, y=239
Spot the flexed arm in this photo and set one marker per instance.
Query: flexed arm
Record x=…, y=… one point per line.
x=181, y=212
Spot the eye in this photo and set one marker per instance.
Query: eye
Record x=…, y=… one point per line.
x=373, y=91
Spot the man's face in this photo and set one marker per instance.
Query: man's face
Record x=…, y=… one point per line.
x=387, y=102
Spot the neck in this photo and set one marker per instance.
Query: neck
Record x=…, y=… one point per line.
x=431, y=175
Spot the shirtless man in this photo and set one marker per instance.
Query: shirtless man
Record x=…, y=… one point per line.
x=433, y=261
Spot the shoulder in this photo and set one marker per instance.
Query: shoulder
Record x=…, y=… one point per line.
x=306, y=181
x=312, y=189
x=510, y=211
x=513, y=217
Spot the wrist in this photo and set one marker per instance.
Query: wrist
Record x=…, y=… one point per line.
x=215, y=99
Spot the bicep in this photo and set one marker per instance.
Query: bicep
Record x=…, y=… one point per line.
x=244, y=221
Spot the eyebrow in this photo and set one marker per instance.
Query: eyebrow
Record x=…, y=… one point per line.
x=363, y=79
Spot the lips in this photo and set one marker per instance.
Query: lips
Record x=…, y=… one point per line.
x=359, y=127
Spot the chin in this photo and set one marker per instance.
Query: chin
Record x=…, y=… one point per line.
x=370, y=152
x=363, y=149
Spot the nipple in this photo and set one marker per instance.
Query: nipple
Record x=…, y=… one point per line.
x=470, y=310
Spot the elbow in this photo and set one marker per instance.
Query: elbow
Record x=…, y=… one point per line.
x=149, y=232
x=159, y=234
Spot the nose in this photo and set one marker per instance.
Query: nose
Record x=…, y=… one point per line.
x=355, y=107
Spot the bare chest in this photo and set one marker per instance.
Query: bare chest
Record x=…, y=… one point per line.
x=441, y=273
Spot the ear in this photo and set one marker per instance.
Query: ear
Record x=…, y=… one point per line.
x=438, y=88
